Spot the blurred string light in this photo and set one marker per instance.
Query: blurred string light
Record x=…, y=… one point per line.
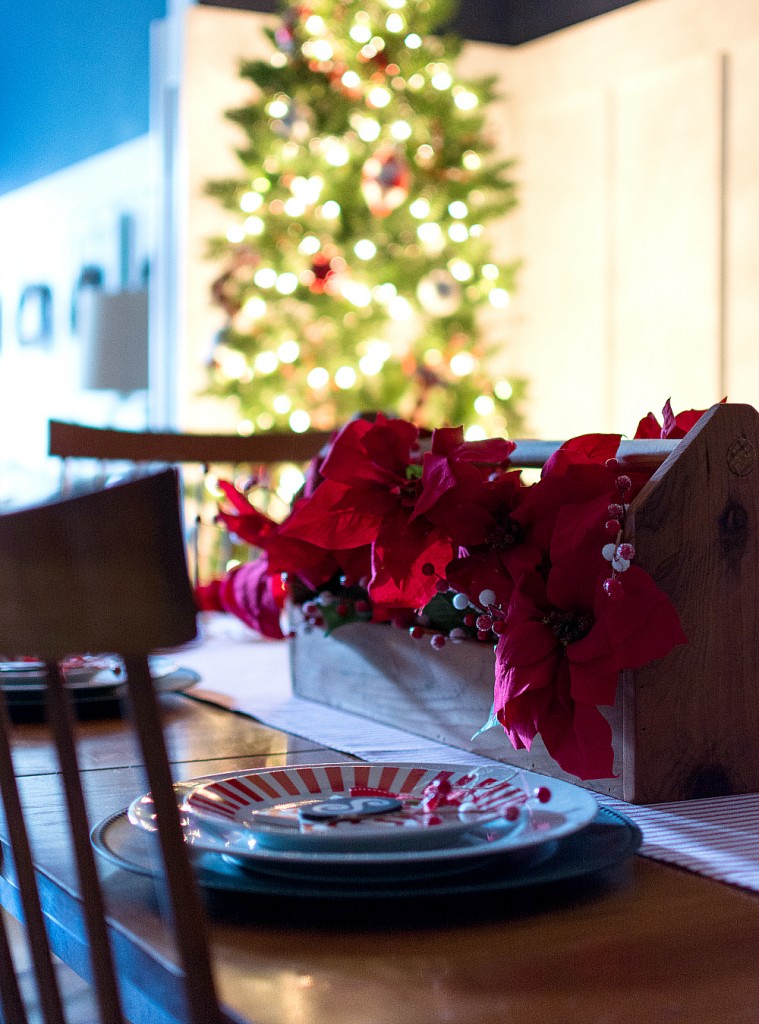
x=331, y=301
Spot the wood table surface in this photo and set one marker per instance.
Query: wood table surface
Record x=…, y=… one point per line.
x=643, y=943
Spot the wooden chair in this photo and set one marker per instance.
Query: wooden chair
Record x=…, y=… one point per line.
x=257, y=453
x=103, y=571
x=75, y=441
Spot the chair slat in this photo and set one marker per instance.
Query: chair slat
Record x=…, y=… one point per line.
x=39, y=946
x=73, y=440
x=11, y=1004
x=61, y=718
x=185, y=902
x=101, y=572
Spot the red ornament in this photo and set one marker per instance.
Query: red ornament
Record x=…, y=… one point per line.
x=322, y=271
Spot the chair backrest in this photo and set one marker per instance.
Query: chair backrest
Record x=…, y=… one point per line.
x=100, y=572
x=259, y=454
x=73, y=440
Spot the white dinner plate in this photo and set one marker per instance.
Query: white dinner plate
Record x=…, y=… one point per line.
x=357, y=806
x=78, y=671
x=94, y=679
x=539, y=824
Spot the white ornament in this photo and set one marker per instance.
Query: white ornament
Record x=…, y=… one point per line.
x=487, y=597
x=460, y=602
x=620, y=564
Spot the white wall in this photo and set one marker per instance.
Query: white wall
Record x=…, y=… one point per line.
x=638, y=222
x=49, y=230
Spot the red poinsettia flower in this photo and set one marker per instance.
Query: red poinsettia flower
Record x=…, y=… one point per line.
x=367, y=496
x=558, y=661
x=310, y=563
x=576, y=472
x=248, y=591
x=466, y=490
x=672, y=426
x=207, y=596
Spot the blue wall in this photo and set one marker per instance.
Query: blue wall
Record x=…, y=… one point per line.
x=74, y=81
x=74, y=74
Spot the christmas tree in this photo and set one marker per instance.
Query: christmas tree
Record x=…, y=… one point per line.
x=356, y=265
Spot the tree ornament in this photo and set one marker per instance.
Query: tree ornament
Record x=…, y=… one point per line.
x=385, y=180
x=284, y=37
x=439, y=293
x=322, y=271
x=295, y=124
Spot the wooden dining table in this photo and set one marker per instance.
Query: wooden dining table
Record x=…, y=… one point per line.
x=639, y=943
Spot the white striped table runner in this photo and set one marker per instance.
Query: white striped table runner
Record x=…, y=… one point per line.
x=718, y=838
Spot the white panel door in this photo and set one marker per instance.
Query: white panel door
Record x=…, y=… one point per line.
x=742, y=226
x=562, y=315
x=667, y=251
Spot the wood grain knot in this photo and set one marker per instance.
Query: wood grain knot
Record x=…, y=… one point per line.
x=732, y=532
x=708, y=780
x=741, y=456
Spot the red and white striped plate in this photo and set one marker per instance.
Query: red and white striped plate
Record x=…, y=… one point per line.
x=268, y=807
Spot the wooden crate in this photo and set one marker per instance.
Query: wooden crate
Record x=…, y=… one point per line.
x=685, y=726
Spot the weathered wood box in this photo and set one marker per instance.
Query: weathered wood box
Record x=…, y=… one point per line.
x=683, y=727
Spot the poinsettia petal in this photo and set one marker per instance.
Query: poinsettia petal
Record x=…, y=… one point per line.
x=398, y=555
x=649, y=427
x=525, y=644
x=580, y=742
x=469, y=524
x=519, y=719
x=446, y=440
x=207, y=596
x=492, y=451
x=346, y=460
x=298, y=558
x=627, y=634
x=388, y=445
x=437, y=478
x=247, y=594
x=595, y=447
x=238, y=500
x=482, y=570
x=576, y=555
x=322, y=522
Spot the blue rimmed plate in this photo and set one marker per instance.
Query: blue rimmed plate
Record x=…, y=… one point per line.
x=609, y=839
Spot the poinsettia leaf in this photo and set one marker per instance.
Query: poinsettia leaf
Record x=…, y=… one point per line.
x=334, y=616
x=440, y=613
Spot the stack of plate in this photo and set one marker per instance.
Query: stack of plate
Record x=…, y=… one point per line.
x=90, y=679
x=324, y=831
